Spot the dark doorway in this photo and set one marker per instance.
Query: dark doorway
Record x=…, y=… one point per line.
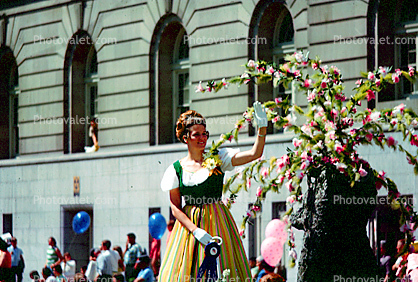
x=78, y=245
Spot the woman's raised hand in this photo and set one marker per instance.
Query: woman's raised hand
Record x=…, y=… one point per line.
x=260, y=116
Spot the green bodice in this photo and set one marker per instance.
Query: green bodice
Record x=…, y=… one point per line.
x=207, y=192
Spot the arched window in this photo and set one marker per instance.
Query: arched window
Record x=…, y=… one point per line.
x=272, y=33
x=169, y=78
x=80, y=91
x=9, y=105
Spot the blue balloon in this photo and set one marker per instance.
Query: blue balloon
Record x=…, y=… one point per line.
x=157, y=225
x=81, y=222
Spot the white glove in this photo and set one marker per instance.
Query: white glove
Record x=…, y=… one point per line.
x=260, y=116
x=202, y=236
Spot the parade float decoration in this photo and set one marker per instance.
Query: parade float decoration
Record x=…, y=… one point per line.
x=324, y=152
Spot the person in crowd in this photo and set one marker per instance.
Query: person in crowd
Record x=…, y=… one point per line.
x=121, y=266
x=155, y=255
x=104, y=262
x=68, y=266
x=204, y=214
x=53, y=254
x=47, y=274
x=91, y=272
x=34, y=275
x=385, y=262
x=18, y=263
x=400, y=264
x=132, y=252
x=146, y=274
x=5, y=263
x=265, y=269
x=94, y=134
x=254, y=267
x=272, y=277
x=59, y=276
x=115, y=260
x=83, y=270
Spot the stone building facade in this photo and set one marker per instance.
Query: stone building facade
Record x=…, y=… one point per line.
x=134, y=65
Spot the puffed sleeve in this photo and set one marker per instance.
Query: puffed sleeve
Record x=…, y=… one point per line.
x=226, y=154
x=170, y=179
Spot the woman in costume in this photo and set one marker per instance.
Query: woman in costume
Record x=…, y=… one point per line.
x=204, y=214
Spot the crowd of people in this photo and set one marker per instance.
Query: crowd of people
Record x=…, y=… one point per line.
x=397, y=268
x=106, y=264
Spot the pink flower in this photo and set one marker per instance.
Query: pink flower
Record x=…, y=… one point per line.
x=362, y=171
x=241, y=232
x=304, y=165
x=411, y=71
x=311, y=96
x=383, y=71
x=264, y=172
x=370, y=75
x=340, y=166
x=249, y=182
x=289, y=185
x=246, y=77
x=391, y=141
x=359, y=82
x=297, y=73
x=409, y=160
x=369, y=137
x=297, y=142
x=278, y=100
x=270, y=70
x=370, y=95
x=395, y=78
x=291, y=199
x=255, y=208
x=377, y=82
x=308, y=83
x=275, y=119
x=398, y=109
x=338, y=147
x=288, y=174
x=300, y=175
x=225, y=83
x=414, y=140
x=259, y=191
x=280, y=179
x=200, y=88
x=315, y=66
x=382, y=174
x=324, y=83
x=251, y=64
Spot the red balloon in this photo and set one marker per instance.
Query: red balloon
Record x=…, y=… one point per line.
x=272, y=250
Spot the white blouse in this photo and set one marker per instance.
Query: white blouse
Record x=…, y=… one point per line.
x=170, y=180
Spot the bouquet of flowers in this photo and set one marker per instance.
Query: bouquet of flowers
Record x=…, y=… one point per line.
x=331, y=133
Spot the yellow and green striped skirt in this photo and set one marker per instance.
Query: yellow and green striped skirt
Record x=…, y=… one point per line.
x=184, y=254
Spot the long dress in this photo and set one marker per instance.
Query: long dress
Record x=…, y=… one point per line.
x=202, y=194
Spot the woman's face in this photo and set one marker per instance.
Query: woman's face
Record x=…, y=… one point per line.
x=198, y=136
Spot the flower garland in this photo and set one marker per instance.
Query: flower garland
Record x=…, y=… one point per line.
x=333, y=129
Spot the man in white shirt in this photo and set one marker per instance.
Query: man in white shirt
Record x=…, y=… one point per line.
x=91, y=272
x=68, y=266
x=104, y=262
